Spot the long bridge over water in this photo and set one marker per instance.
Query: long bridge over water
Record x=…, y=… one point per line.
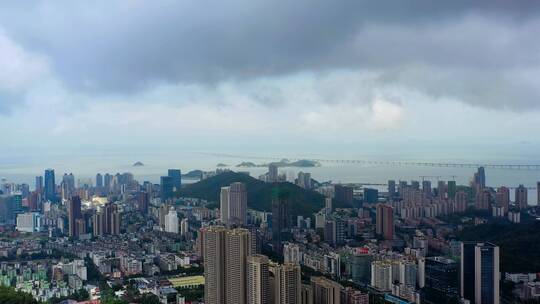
x=529, y=167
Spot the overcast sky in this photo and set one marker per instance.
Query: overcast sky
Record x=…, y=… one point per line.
x=242, y=74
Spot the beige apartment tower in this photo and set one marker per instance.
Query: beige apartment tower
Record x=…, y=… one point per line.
x=258, y=283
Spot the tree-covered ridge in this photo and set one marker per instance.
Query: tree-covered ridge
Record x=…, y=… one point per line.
x=259, y=194
x=519, y=243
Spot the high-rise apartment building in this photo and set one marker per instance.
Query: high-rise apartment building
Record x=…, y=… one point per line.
x=451, y=189
x=385, y=221
x=171, y=221
x=325, y=291
x=483, y=199
x=272, y=173
x=391, y=188
x=74, y=213
x=237, y=204
x=224, y=205
x=258, y=281
x=99, y=181
x=521, y=197
x=461, y=201
x=285, y=283
x=502, y=198
x=480, y=273
x=538, y=193
x=39, y=184
x=225, y=257
x=343, y=194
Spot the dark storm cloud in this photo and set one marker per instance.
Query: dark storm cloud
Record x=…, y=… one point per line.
x=455, y=48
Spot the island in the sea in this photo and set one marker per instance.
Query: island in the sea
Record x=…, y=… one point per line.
x=302, y=163
x=138, y=164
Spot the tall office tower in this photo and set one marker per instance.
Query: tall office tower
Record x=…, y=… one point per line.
x=441, y=279
x=286, y=284
x=142, y=202
x=74, y=213
x=176, y=176
x=391, y=188
x=99, y=181
x=483, y=199
x=479, y=282
x=502, y=198
x=39, y=184
x=371, y=196
x=107, y=180
x=521, y=197
x=325, y=291
x=451, y=189
x=280, y=217
x=237, y=204
x=171, y=221
x=224, y=205
x=426, y=188
x=343, y=194
x=258, y=281
x=166, y=188
x=480, y=179
x=385, y=221
x=213, y=248
x=272, y=173
x=461, y=201
x=415, y=185
x=184, y=227
x=50, y=185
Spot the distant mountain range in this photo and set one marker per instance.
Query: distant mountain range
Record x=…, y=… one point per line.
x=303, y=202
x=283, y=163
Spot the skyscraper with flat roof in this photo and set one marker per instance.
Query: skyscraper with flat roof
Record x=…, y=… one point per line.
x=166, y=188
x=224, y=205
x=176, y=176
x=280, y=217
x=286, y=284
x=50, y=186
x=479, y=273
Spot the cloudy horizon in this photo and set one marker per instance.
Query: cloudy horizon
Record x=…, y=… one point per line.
x=244, y=74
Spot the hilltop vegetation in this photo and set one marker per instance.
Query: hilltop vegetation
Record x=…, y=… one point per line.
x=519, y=250
x=303, y=202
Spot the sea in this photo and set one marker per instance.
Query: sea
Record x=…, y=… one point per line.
x=23, y=166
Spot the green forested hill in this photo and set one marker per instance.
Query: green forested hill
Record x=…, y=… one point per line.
x=303, y=202
x=519, y=243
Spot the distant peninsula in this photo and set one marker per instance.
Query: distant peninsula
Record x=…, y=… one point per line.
x=138, y=164
x=222, y=165
x=302, y=163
